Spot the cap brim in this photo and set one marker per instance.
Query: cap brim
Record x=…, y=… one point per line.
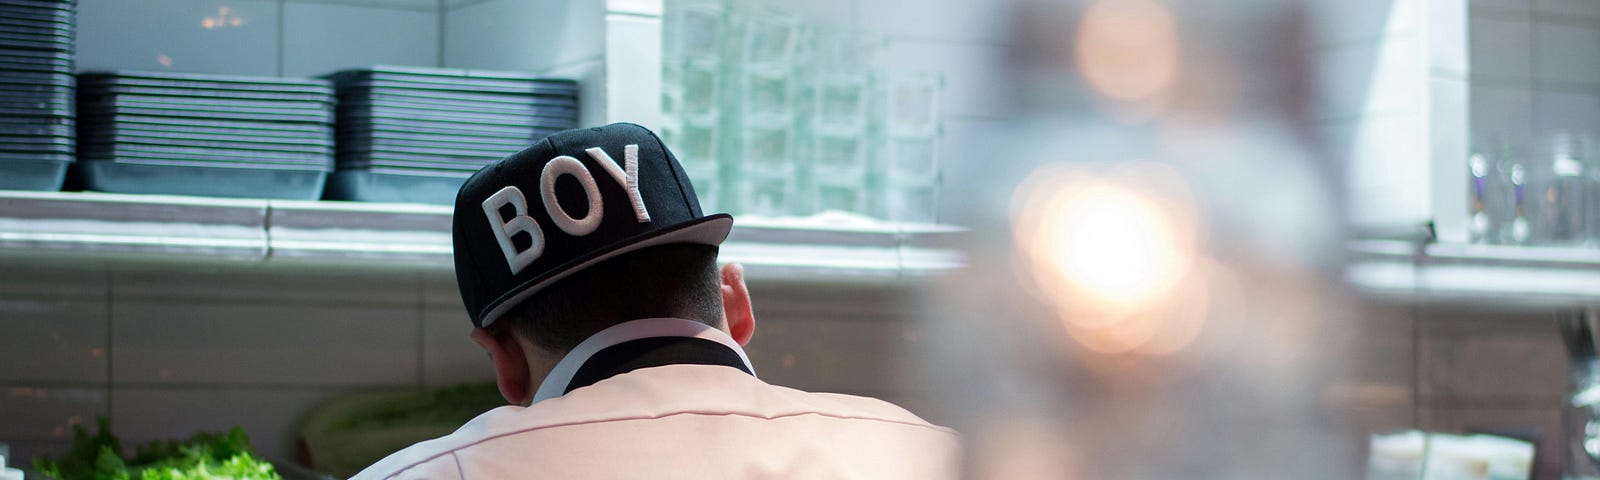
x=708, y=230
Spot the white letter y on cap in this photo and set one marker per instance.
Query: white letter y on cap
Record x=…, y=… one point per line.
x=628, y=180
x=503, y=230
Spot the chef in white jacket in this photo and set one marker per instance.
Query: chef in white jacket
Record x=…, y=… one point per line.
x=590, y=275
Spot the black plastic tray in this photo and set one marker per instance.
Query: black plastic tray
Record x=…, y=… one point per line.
x=465, y=108
x=399, y=116
x=109, y=109
x=188, y=102
x=202, y=180
x=37, y=131
x=53, y=44
x=39, y=14
x=434, y=74
x=440, y=161
x=90, y=138
x=48, y=4
x=396, y=185
x=17, y=156
x=45, y=29
x=428, y=148
x=206, y=125
x=234, y=136
x=437, y=96
x=92, y=150
x=360, y=163
x=17, y=140
x=45, y=173
x=34, y=68
x=387, y=138
x=9, y=121
x=395, y=127
x=128, y=91
x=35, y=108
x=214, y=82
x=39, y=80
x=34, y=22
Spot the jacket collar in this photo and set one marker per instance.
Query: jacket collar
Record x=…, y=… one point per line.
x=561, y=378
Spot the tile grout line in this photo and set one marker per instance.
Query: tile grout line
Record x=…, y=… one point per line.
x=442, y=27
x=1416, y=369
x=422, y=327
x=110, y=335
x=282, y=43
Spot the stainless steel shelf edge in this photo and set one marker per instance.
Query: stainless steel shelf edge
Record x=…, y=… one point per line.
x=1474, y=274
x=409, y=236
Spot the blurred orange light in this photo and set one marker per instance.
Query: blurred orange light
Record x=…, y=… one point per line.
x=1127, y=49
x=1114, y=256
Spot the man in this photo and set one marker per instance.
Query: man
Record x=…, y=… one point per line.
x=590, y=275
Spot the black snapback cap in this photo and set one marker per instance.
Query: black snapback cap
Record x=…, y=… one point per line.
x=572, y=200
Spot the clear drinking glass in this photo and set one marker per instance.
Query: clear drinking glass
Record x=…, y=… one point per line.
x=1515, y=230
x=1559, y=191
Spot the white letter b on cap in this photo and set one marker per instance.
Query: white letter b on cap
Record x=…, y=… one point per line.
x=503, y=230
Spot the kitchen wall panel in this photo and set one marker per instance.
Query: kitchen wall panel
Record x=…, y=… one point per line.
x=53, y=323
x=209, y=36
x=46, y=413
x=264, y=344
x=1566, y=55
x=523, y=35
x=1501, y=111
x=319, y=38
x=270, y=416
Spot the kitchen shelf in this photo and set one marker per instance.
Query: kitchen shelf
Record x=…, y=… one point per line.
x=80, y=225
x=1476, y=274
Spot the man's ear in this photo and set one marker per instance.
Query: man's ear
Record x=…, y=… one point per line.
x=736, y=304
x=510, y=364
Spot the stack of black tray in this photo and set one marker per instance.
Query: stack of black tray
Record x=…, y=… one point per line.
x=36, y=63
x=410, y=134
x=210, y=135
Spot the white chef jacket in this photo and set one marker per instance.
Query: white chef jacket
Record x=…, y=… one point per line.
x=680, y=420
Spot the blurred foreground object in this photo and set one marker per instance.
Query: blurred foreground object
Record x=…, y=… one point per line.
x=1154, y=269
x=1415, y=455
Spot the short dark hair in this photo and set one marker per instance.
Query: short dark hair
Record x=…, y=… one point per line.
x=674, y=280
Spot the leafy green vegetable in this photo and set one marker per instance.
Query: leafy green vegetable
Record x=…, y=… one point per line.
x=205, y=456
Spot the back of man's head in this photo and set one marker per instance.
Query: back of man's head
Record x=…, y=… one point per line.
x=673, y=280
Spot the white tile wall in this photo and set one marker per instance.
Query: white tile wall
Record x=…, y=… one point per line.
x=1371, y=79
x=1554, y=111
x=1500, y=49
x=1362, y=21
x=1502, y=112
x=1566, y=56
x=1500, y=7
x=938, y=20
x=973, y=74
x=968, y=142
x=115, y=34
x=523, y=35
x=1381, y=155
x=1572, y=10
x=319, y=38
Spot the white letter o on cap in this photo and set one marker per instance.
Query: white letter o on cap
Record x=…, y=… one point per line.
x=565, y=165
